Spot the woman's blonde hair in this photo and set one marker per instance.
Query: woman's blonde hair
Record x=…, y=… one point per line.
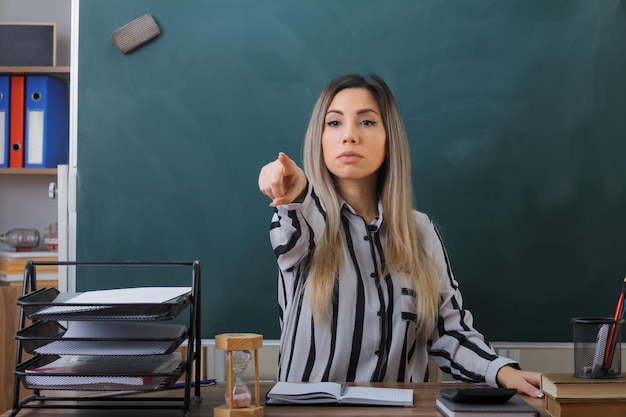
x=404, y=248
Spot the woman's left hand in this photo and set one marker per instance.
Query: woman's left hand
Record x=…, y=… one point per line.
x=524, y=381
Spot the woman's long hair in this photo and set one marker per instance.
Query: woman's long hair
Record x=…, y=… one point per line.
x=404, y=248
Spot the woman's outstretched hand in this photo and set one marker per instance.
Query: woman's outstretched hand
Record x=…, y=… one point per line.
x=282, y=180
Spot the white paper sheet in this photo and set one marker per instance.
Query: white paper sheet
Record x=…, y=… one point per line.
x=102, y=299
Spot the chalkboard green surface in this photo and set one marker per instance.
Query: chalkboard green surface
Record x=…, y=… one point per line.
x=516, y=112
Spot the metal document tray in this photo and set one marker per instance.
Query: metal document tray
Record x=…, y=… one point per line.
x=48, y=337
x=38, y=304
x=102, y=381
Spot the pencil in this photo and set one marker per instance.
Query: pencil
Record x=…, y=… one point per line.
x=619, y=314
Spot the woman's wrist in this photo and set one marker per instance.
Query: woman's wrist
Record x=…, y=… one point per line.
x=501, y=376
x=300, y=198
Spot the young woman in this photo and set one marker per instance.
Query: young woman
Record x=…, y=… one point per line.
x=366, y=292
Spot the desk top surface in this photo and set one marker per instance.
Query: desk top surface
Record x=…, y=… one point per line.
x=213, y=396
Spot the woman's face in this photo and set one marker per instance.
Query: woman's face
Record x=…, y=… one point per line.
x=354, y=139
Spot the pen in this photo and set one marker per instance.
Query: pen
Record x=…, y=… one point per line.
x=203, y=382
x=619, y=314
x=344, y=387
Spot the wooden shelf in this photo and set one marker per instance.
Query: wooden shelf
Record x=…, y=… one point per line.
x=28, y=171
x=57, y=72
x=43, y=70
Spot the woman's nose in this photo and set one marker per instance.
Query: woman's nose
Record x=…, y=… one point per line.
x=350, y=135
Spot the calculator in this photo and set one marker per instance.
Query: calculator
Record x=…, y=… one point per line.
x=478, y=395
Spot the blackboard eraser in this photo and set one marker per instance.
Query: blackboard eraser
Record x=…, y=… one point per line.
x=135, y=33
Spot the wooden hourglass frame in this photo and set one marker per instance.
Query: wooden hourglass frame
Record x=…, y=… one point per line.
x=232, y=342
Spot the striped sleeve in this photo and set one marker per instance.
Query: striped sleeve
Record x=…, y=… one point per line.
x=457, y=347
x=295, y=230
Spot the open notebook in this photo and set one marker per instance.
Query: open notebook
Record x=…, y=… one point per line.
x=335, y=393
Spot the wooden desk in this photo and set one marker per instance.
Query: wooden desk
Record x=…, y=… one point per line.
x=214, y=396
x=10, y=314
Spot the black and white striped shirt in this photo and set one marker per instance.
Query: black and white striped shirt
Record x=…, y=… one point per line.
x=372, y=333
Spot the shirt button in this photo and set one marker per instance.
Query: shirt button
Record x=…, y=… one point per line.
x=377, y=353
x=380, y=313
x=373, y=275
x=366, y=238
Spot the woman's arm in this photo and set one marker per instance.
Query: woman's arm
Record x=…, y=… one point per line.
x=457, y=346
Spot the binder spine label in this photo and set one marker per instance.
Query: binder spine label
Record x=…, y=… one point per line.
x=34, y=141
x=3, y=135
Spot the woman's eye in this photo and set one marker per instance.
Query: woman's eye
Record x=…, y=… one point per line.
x=368, y=122
x=333, y=123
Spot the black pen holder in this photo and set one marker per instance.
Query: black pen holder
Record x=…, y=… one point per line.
x=597, y=347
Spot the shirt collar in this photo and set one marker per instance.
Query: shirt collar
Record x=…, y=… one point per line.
x=375, y=224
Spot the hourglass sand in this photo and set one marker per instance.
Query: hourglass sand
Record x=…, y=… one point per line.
x=241, y=394
x=238, y=397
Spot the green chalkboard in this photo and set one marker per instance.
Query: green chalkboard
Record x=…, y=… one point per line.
x=516, y=112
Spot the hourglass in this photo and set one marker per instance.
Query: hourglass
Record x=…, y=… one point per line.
x=238, y=397
x=241, y=396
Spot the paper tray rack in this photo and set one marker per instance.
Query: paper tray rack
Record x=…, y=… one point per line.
x=40, y=304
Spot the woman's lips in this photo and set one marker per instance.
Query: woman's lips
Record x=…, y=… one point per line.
x=349, y=156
